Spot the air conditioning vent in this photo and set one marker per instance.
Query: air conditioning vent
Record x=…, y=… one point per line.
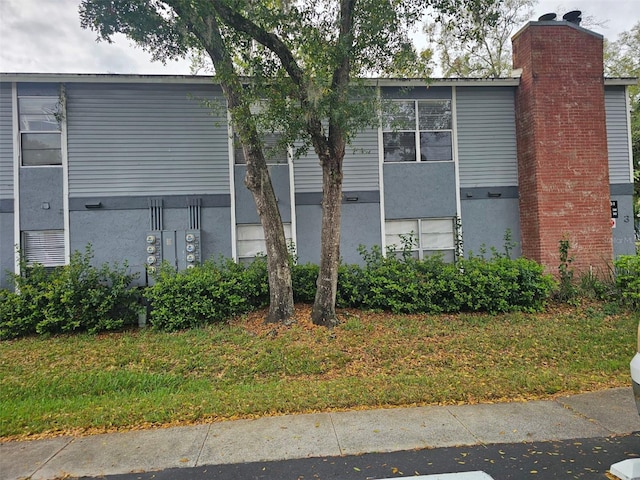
x=45, y=247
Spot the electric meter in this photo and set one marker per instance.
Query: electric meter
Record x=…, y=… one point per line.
x=151, y=249
x=151, y=239
x=190, y=237
x=191, y=247
x=151, y=259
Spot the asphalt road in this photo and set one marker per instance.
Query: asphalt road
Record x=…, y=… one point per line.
x=569, y=459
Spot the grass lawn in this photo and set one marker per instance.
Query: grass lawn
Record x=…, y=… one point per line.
x=140, y=378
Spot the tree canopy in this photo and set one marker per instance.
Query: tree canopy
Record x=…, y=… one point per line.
x=478, y=43
x=302, y=61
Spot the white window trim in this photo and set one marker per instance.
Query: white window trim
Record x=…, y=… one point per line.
x=16, y=176
x=418, y=236
x=627, y=100
x=416, y=131
x=65, y=174
x=292, y=202
x=17, y=165
x=381, y=163
x=458, y=237
x=257, y=227
x=60, y=98
x=232, y=188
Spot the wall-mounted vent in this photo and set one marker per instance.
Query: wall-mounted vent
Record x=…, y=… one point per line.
x=155, y=214
x=45, y=247
x=574, y=16
x=194, y=207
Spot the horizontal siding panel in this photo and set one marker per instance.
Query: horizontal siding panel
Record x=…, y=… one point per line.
x=6, y=142
x=617, y=136
x=486, y=134
x=361, y=168
x=361, y=162
x=307, y=173
x=145, y=140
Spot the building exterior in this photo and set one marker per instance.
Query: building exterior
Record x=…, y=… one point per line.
x=140, y=168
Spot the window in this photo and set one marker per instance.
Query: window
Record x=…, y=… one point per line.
x=45, y=247
x=273, y=151
x=250, y=240
x=428, y=236
x=417, y=131
x=40, y=137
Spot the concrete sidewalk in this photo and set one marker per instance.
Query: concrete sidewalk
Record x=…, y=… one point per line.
x=598, y=414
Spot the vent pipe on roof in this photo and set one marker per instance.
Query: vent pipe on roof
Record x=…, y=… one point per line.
x=547, y=17
x=574, y=16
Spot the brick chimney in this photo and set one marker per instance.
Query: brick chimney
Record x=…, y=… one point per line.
x=563, y=171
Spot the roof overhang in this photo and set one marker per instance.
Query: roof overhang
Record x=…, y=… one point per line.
x=620, y=81
x=513, y=81
x=201, y=79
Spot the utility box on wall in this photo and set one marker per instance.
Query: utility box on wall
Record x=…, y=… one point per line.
x=177, y=248
x=188, y=246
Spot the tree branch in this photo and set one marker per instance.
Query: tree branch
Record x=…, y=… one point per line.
x=269, y=40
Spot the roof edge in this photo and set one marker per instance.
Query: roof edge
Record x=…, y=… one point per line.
x=201, y=79
x=512, y=81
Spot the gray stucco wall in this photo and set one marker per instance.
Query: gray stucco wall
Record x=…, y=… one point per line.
x=41, y=206
x=245, y=205
x=119, y=235
x=360, y=226
x=623, y=234
x=7, y=248
x=419, y=190
x=485, y=222
x=114, y=235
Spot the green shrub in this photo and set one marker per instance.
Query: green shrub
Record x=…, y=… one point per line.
x=401, y=284
x=502, y=285
x=350, y=286
x=627, y=270
x=213, y=292
x=75, y=297
x=16, y=316
x=303, y=278
x=394, y=285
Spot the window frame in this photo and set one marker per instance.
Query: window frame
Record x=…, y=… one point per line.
x=24, y=130
x=420, y=236
x=244, y=255
x=417, y=132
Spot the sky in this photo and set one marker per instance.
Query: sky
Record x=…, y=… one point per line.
x=44, y=36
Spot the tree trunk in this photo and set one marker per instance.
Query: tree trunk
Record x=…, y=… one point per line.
x=324, y=307
x=258, y=181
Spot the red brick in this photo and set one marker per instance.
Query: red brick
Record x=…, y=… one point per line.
x=562, y=145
